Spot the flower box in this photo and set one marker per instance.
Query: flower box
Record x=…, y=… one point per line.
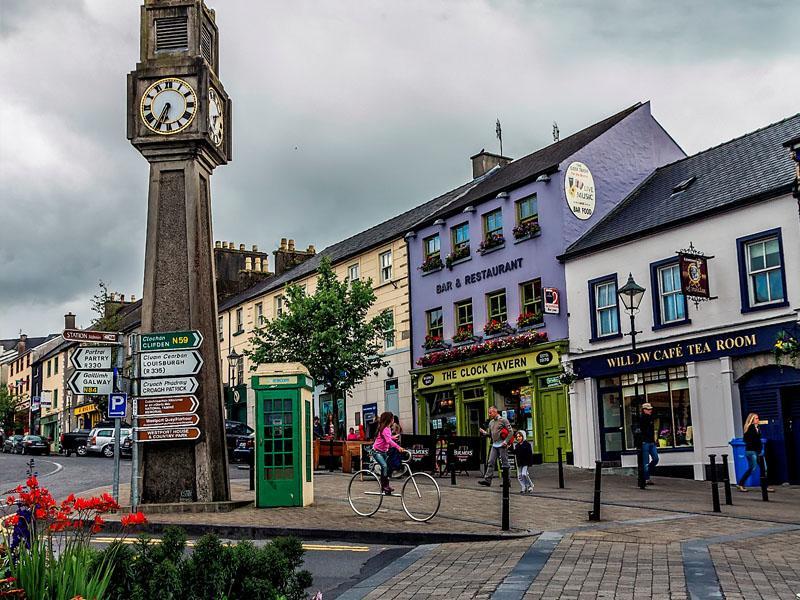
x=490, y=346
x=495, y=328
x=526, y=230
x=529, y=320
x=492, y=241
x=464, y=334
x=433, y=343
x=456, y=256
x=431, y=264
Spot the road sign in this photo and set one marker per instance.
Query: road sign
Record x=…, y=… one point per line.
x=92, y=382
x=154, y=407
x=170, y=340
x=167, y=434
x=169, y=364
x=81, y=335
x=91, y=358
x=167, y=387
x=168, y=421
x=117, y=406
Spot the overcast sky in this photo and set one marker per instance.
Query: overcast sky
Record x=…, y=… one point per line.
x=345, y=113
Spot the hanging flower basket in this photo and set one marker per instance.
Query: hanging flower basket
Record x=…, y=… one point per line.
x=786, y=346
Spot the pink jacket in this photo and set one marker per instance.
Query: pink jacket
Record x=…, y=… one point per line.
x=384, y=440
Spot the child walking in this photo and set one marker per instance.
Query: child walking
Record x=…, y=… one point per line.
x=384, y=441
x=524, y=455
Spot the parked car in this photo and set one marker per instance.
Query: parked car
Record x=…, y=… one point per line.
x=244, y=450
x=101, y=440
x=236, y=432
x=126, y=448
x=74, y=441
x=10, y=444
x=34, y=444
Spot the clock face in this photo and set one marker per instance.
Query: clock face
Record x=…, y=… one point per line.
x=215, y=117
x=168, y=106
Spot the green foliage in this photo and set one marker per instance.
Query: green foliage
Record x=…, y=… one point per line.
x=107, y=317
x=8, y=407
x=327, y=331
x=212, y=571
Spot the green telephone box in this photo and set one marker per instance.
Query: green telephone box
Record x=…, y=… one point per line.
x=283, y=462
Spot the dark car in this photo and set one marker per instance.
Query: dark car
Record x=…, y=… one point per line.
x=244, y=450
x=235, y=432
x=34, y=444
x=126, y=448
x=74, y=441
x=10, y=445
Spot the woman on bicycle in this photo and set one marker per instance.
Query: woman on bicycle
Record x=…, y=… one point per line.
x=380, y=448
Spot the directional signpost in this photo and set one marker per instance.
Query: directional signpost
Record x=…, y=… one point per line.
x=167, y=387
x=167, y=434
x=170, y=363
x=174, y=340
x=92, y=382
x=81, y=335
x=168, y=421
x=148, y=407
x=91, y=358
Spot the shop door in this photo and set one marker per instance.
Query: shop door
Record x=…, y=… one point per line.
x=278, y=470
x=391, y=397
x=555, y=424
x=475, y=418
x=611, y=425
x=790, y=399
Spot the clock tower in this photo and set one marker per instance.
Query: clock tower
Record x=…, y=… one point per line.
x=179, y=119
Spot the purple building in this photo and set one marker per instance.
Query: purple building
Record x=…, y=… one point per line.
x=489, y=317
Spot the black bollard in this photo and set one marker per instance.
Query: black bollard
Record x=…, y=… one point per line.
x=714, y=488
x=594, y=514
x=331, y=459
x=726, y=478
x=560, y=469
x=251, y=461
x=640, y=468
x=451, y=456
x=762, y=465
x=506, y=524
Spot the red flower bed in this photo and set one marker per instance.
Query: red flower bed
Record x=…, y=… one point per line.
x=525, y=340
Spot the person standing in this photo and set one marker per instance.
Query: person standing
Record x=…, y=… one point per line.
x=753, y=448
x=647, y=427
x=318, y=431
x=499, y=433
x=524, y=454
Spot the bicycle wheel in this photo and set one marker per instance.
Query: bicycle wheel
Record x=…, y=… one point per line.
x=421, y=497
x=364, y=493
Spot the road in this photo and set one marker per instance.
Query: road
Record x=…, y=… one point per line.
x=336, y=566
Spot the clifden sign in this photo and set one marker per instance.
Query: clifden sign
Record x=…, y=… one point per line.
x=170, y=340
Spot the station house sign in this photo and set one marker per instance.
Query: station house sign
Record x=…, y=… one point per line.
x=490, y=368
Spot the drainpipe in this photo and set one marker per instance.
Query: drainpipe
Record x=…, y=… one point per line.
x=414, y=398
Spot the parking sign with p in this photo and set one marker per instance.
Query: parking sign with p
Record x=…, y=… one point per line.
x=117, y=406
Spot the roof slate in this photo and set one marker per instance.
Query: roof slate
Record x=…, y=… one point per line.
x=745, y=169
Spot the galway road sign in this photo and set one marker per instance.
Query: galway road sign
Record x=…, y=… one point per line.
x=155, y=407
x=91, y=358
x=170, y=340
x=170, y=364
x=92, y=382
x=166, y=434
x=168, y=421
x=81, y=335
x=167, y=387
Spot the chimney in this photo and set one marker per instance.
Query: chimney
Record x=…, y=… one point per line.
x=255, y=248
x=69, y=321
x=483, y=162
x=217, y=244
x=241, y=247
x=291, y=245
x=122, y=297
x=133, y=298
x=311, y=249
x=283, y=243
x=22, y=344
x=248, y=263
x=257, y=266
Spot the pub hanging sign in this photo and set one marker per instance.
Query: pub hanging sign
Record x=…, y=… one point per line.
x=693, y=266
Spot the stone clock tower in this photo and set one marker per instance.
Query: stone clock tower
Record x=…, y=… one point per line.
x=179, y=119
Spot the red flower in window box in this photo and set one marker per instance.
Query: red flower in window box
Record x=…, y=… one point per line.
x=494, y=327
x=492, y=241
x=433, y=342
x=432, y=263
x=526, y=229
x=529, y=318
x=524, y=340
x=463, y=334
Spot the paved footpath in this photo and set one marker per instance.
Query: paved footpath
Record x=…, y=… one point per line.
x=662, y=543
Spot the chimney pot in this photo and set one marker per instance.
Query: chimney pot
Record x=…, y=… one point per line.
x=291, y=245
x=69, y=321
x=133, y=298
x=257, y=266
x=255, y=248
x=283, y=243
x=122, y=297
x=217, y=244
x=483, y=162
x=311, y=249
x=241, y=247
x=248, y=263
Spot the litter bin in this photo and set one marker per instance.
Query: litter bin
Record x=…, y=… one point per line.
x=740, y=462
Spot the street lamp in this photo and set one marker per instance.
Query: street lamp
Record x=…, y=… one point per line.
x=233, y=363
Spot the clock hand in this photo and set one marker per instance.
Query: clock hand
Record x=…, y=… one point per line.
x=164, y=114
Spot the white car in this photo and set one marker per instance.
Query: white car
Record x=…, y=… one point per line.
x=101, y=440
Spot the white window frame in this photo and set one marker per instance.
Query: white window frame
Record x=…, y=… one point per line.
x=385, y=265
x=259, y=310
x=662, y=295
x=239, y=320
x=353, y=273
x=279, y=308
x=750, y=287
x=221, y=328
x=389, y=337
x=598, y=309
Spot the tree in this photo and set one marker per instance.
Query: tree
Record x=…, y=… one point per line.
x=107, y=317
x=328, y=332
x=8, y=408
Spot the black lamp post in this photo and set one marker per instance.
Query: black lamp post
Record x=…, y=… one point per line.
x=233, y=363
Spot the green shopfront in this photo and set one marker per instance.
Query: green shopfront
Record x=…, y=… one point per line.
x=454, y=398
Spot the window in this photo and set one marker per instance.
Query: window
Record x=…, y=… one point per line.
x=279, y=306
x=460, y=235
x=493, y=223
x=496, y=304
x=669, y=306
x=48, y=368
x=239, y=321
x=240, y=371
x=431, y=246
x=220, y=328
x=605, y=309
x=55, y=398
x=388, y=333
x=260, y=313
x=464, y=315
x=530, y=297
x=435, y=323
x=668, y=391
x=55, y=366
x=761, y=271
x=386, y=266
x=353, y=273
x=527, y=210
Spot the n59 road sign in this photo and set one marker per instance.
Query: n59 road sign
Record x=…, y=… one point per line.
x=170, y=340
x=167, y=387
x=170, y=364
x=91, y=358
x=92, y=382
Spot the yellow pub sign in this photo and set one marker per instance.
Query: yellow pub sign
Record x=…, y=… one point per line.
x=496, y=367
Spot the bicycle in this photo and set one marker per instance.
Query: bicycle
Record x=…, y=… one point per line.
x=419, y=495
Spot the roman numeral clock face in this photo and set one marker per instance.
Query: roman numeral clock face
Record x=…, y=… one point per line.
x=168, y=106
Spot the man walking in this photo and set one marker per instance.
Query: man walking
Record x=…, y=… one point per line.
x=649, y=448
x=499, y=432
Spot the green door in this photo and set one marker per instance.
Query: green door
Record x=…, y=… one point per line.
x=277, y=470
x=555, y=424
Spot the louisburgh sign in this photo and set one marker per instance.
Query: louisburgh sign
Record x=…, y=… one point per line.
x=490, y=368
